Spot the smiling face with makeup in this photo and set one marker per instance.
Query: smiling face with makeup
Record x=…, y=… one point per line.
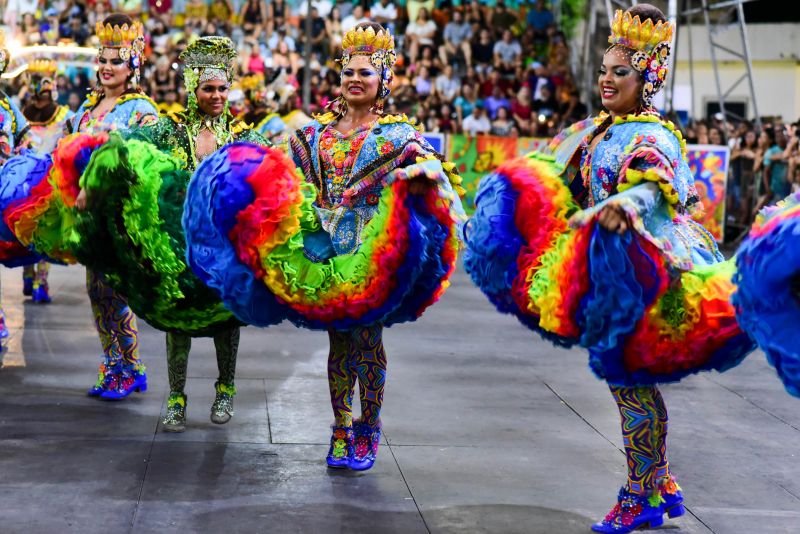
x=360, y=82
x=212, y=96
x=620, y=84
x=112, y=71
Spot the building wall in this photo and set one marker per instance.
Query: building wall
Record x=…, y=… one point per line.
x=775, y=53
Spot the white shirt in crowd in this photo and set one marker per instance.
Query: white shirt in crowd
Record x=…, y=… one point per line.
x=387, y=12
x=474, y=126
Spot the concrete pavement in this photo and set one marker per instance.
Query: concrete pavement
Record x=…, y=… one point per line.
x=487, y=429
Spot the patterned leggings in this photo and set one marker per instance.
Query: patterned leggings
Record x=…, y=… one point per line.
x=644, y=434
x=357, y=354
x=39, y=274
x=115, y=322
x=179, y=345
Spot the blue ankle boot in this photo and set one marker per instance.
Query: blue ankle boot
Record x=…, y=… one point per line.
x=366, y=446
x=40, y=293
x=340, y=454
x=632, y=511
x=671, y=497
x=129, y=380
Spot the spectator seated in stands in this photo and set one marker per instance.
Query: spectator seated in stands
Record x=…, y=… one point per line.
x=477, y=122
x=384, y=13
x=457, y=37
x=507, y=53
x=448, y=84
x=419, y=33
x=503, y=125
x=354, y=19
x=495, y=101
x=540, y=18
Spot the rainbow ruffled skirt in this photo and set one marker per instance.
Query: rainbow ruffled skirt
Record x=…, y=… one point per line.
x=642, y=320
x=768, y=296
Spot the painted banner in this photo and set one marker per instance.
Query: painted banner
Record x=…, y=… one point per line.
x=709, y=164
x=477, y=156
x=437, y=142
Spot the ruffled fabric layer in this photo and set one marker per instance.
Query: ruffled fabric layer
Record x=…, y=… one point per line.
x=248, y=215
x=17, y=177
x=768, y=296
x=41, y=215
x=643, y=320
x=132, y=233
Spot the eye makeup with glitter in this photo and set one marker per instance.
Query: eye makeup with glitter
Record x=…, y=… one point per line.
x=364, y=73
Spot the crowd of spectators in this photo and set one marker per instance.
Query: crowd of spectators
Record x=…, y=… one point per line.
x=471, y=66
x=484, y=66
x=764, y=165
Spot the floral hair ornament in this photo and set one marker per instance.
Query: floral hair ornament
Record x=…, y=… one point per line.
x=379, y=47
x=129, y=40
x=42, y=74
x=5, y=57
x=207, y=58
x=650, y=45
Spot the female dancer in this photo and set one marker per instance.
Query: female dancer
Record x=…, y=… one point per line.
x=47, y=121
x=115, y=104
x=612, y=260
x=367, y=241
x=14, y=136
x=206, y=126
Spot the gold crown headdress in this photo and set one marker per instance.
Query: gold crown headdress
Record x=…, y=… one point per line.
x=43, y=67
x=379, y=47
x=650, y=43
x=42, y=73
x=632, y=33
x=361, y=41
x=129, y=40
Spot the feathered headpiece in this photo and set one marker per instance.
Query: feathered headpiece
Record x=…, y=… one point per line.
x=379, y=47
x=129, y=40
x=650, y=43
x=4, y=56
x=208, y=58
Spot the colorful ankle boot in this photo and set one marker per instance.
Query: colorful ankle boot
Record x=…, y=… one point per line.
x=671, y=497
x=222, y=409
x=130, y=379
x=175, y=420
x=631, y=512
x=27, y=285
x=366, y=446
x=40, y=293
x=105, y=378
x=340, y=453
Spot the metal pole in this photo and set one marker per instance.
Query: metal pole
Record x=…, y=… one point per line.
x=691, y=61
x=749, y=65
x=712, y=45
x=672, y=15
x=307, y=64
x=588, y=40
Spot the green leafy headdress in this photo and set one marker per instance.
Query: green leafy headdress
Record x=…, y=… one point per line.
x=208, y=58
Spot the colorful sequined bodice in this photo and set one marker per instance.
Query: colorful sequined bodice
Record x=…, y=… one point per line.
x=45, y=135
x=12, y=124
x=643, y=139
x=349, y=171
x=129, y=110
x=338, y=153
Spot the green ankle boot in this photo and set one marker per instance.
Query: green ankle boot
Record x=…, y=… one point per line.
x=175, y=420
x=222, y=409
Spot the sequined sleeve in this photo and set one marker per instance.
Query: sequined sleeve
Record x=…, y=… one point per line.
x=657, y=156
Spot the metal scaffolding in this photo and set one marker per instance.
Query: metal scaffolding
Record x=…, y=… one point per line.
x=715, y=16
